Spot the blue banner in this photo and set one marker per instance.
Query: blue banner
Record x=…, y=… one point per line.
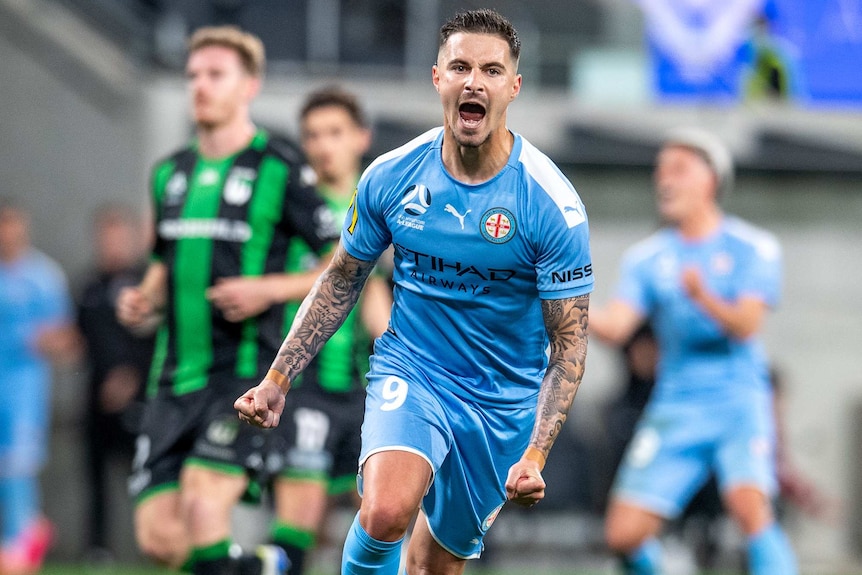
x=727, y=51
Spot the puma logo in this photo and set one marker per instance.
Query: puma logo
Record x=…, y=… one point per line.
x=455, y=213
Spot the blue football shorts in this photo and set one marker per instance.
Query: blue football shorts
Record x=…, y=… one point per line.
x=677, y=444
x=469, y=447
x=24, y=420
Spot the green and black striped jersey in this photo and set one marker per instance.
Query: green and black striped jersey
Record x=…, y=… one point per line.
x=342, y=362
x=222, y=218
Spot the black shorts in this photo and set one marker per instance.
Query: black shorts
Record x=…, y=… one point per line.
x=319, y=437
x=200, y=428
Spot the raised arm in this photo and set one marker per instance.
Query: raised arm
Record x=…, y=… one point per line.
x=615, y=323
x=321, y=314
x=566, y=323
x=740, y=319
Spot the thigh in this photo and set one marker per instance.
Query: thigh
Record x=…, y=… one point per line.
x=300, y=502
x=219, y=490
x=393, y=483
x=750, y=508
x=160, y=528
x=667, y=460
x=160, y=509
x=208, y=497
x=627, y=526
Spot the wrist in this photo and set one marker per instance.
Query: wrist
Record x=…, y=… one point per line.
x=533, y=454
x=281, y=380
x=274, y=288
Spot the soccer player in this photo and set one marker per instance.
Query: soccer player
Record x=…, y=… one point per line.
x=320, y=428
x=706, y=282
x=35, y=320
x=226, y=208
x=473, y=379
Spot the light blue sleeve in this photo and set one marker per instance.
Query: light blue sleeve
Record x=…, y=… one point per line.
x=564, y=265
x=761, y=277
x=365, y=234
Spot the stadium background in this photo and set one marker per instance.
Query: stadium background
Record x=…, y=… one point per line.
x=92, y=94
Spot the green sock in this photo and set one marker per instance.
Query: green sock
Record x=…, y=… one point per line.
x=296, y=543
x=212, y=559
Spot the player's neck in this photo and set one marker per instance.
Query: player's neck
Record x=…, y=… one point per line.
x=226, y=139
x=701, y=224
x=474, y=165
x=341, y=186
x=12, y=253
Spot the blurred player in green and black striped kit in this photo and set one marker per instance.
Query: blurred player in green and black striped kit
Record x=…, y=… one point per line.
x=226, y=209
x=320, y=427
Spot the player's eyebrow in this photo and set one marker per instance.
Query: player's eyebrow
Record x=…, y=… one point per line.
x=482, y=66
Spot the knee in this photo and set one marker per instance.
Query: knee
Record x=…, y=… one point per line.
x=165, y=542
x=750, y=509
x=200, y=511
x=621, y=538
x=385, y=520
x=626, y=528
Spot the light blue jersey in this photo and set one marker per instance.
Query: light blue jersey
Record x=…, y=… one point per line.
x=711, y=409
x=697, y=358
x=472, y=261
x=33, y=295
x=455, y=378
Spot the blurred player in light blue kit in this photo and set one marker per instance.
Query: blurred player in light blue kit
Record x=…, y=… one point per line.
x=705, y=282
x=36, y=328
x=469, y=386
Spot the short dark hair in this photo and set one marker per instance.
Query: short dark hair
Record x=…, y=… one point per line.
x=483, y=21
x=338, y=97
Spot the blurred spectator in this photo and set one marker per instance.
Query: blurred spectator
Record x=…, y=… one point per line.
x=118, y=362
x=36, y=330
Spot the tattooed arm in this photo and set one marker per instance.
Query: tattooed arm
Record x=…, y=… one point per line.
x=322, y=312
x=566, y=323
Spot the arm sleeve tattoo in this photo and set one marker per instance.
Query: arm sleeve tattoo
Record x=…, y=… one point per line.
x=566, y=323
x=322, y=312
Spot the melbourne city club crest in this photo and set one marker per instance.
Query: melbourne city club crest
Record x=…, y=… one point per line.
x=498, y=225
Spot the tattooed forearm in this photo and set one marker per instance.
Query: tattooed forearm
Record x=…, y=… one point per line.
x=322, y=312
x=566, y=323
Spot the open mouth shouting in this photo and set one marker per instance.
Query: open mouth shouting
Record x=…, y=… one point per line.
x=471, y=114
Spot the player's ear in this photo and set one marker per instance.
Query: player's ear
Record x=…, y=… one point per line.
x=516, y=87
x=435, y=77
x=364, y=140
x=253, y=87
